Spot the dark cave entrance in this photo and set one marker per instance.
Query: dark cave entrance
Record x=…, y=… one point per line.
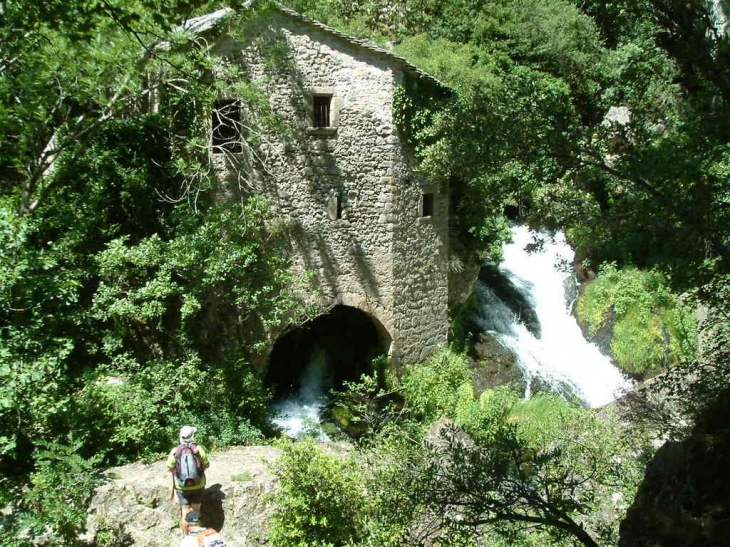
x=348, y=338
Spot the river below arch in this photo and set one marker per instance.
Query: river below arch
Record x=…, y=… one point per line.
x=308, y=361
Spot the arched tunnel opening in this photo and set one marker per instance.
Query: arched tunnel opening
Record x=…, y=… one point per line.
x=331, y=349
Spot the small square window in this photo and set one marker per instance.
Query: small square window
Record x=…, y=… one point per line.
x=427, y=205
x=226, y=125
x=322, y=110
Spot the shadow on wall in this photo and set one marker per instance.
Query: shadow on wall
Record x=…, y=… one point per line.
x=313, y=170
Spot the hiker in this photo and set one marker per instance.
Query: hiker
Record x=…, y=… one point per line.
x=187, y=462
x=199, y=535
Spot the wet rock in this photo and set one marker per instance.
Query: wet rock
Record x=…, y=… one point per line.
x=493, y=365
x=517, y=302
x=557, y=387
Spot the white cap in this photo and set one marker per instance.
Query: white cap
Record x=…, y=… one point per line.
x=187, y=434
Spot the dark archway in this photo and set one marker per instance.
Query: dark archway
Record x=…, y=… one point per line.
x=349, y=339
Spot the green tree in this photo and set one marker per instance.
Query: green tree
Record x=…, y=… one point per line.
x=67, y=67
x=452, y=469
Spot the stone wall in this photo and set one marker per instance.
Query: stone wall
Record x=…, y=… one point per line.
x=381, y=255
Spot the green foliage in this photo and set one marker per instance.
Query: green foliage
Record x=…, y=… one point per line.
x=115, y=300
x=652, y=329
x=226, y=255
x=500, y=463
x=220, y=427
x=435, y=388
x=484, y=417
x=128, y=302
x=319, y=501
x=495, y=142
x=542, y=460
x=63, y=483
x=364, y=407
x=525, y=130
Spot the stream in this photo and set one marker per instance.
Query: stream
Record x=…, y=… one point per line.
x=555, y=355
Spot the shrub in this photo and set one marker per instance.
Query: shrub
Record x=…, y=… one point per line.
x=652, y=328
x=319, y=501
x=435, y=388
x=63, y=484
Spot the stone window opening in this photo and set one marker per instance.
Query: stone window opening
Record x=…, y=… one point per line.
x=226, y=125
x=322, y=106
x=428, y=203
x=334, y=207
x=323, y=111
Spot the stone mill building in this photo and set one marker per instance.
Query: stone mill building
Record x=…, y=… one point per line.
x=370, y=231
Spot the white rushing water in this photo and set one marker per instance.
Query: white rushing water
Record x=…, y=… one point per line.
x=560, y=357
x=300, y=413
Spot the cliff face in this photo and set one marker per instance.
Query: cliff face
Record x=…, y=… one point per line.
x=132, y=507
x=684, y=499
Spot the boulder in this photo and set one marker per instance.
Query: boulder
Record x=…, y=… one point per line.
x=506, y=291
x=493, y=364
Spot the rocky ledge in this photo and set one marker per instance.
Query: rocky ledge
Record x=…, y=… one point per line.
x=133, y=507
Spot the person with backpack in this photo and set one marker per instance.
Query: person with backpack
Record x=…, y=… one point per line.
x=187, y=462
x=199, y=535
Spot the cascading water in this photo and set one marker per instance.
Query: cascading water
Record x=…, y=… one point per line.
x=300, y=413
x=559, y=358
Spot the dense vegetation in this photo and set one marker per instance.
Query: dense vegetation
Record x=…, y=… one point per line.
x=523, y=472
x=125, y=286
x=605, y=119
x=650, y=329
x=131, y=302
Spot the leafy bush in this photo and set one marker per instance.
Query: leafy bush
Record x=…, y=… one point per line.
x=542, y=460
x=483, y=418
x=437, y=387
x=320, y=499
x=218, y=428
x=651, y=327
x=63, y=484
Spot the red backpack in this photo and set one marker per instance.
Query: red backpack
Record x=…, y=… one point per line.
x=188, y=467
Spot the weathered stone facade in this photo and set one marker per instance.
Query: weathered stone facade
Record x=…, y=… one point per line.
x=349, y=192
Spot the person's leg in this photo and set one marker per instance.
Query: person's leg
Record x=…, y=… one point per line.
x=189, y=501
x=184, y=510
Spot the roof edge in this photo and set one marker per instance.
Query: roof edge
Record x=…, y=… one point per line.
x=369, y=46
x=207, y=22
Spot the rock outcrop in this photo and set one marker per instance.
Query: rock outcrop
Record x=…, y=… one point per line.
x=133, y=504
x=684, y=499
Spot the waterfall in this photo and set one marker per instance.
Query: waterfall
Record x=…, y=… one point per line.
x=300, y=413
x=558, y=357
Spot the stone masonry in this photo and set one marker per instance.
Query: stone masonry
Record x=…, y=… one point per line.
x=355, y=207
